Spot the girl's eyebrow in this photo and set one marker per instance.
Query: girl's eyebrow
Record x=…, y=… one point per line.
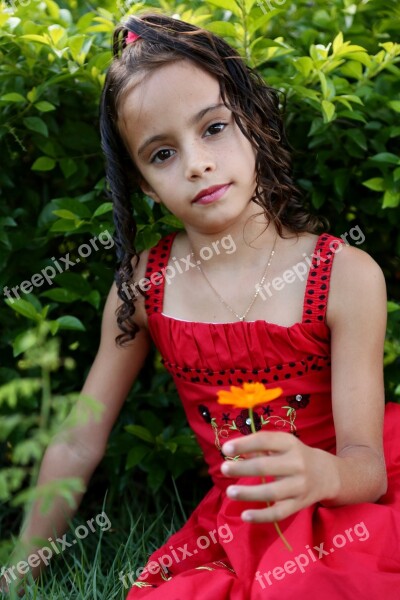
x=195, y=119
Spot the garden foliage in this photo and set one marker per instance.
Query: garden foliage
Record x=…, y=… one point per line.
x=337, y=62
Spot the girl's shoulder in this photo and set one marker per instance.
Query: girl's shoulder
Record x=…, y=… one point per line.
x=354, y=266
x=356, y=280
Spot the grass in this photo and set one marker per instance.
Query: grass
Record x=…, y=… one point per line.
x=92, y=568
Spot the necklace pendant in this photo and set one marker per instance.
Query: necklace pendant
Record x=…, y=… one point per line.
x=241, y=318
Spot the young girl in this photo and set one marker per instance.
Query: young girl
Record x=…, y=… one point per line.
x=250, y=291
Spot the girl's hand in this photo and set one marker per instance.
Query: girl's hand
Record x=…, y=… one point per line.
x=303, y=475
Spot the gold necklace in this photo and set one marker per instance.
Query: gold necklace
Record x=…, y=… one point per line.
x=258, y=287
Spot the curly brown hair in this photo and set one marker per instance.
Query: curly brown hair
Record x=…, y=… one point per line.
x=256, y=110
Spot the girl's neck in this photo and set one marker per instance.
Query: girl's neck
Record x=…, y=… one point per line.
x=242, y=247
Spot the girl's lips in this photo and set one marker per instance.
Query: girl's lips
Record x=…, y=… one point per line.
x=213, y=196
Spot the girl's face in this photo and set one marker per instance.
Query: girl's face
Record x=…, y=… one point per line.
x=183, y=140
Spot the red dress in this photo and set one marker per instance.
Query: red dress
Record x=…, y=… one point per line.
x=349, y=552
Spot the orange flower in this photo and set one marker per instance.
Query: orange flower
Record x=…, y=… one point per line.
x=248, y=396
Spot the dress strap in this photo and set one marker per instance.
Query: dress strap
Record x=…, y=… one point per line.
x=317, y=288
x=155, y=273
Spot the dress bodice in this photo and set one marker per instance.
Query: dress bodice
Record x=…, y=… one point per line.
x=204, y=358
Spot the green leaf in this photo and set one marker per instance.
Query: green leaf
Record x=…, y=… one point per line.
x=223, y=29
x=68, y=166
x=259, y=22
x=328, y=110
x=324, y=86
x=65, y=214
x=140, y=432
x=44, y=106
x=395, y=104
x=43, y=163
x=36, y=124
x=136, y=455
x=93, y=298
x=24, y=341
x=70, y=322
x=230, y=5
x=392, y=306
x=386, y=157
x=156, y=477
x=18, y=388
x=391, y=199
x=13, y=97
x=358, y=137
x=352, y=68
x=102, y=209
x=304, y=65
x=74, y=205
x=172, y=221
x=24, y=308
x=61, y=295
x=337, y=42
x=26, y=451
x=376, y=184
x=64, y=225
x=32, y=37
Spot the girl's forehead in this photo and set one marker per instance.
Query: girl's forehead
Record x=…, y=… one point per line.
x=170, y=94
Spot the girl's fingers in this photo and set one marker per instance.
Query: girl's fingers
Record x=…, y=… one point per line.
x=265, y=492
x=260, y=465
x=266, y=441
x=276, y=512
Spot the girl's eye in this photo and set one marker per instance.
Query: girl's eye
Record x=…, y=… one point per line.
x=158, y=155
x=223, y=125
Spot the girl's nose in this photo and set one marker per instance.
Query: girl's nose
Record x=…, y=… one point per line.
x=198, y=161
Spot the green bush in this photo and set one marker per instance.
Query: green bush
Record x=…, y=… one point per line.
x=337, y=63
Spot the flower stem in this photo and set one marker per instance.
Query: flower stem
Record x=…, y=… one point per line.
x=278, y=529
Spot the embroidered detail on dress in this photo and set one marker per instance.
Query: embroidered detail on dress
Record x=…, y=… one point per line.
x=141, y=584
x=242, y=423
x=163, y=575
x=298, y=400
x=218, y=563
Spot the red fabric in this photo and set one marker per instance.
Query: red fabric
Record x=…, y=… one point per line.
x=349, y=552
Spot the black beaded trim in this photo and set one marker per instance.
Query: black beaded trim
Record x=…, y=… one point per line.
x=157, y=259
x=317, y=288
x=268, y=375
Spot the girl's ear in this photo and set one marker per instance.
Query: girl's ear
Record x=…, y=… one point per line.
x=148, y=190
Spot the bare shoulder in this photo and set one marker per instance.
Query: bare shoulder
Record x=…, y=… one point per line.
x=357, y=281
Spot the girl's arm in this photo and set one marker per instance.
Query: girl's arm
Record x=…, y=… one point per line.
x=357, y=315
x=78, y=451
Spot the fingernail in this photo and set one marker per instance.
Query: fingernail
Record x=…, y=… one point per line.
x=225, y=468
x=246, y=516
x=228, y=448
x=232, y=491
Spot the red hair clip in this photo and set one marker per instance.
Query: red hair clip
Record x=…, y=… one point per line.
x=131, y=37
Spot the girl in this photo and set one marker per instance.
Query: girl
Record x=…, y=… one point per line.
x=250, y=291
